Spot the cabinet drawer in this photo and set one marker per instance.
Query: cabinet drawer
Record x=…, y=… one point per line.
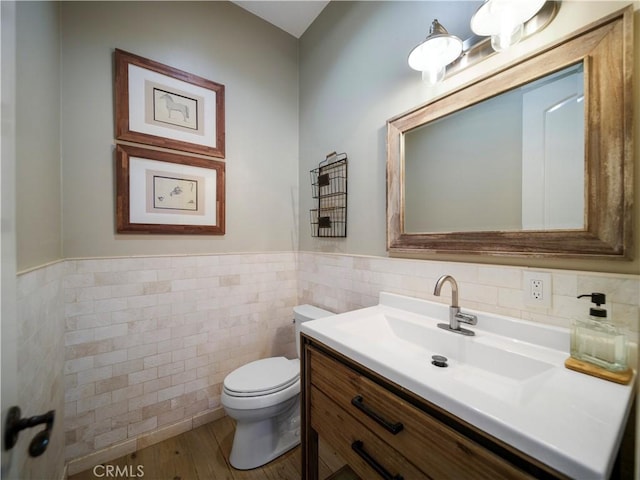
x=433, y=447
x=343, y=432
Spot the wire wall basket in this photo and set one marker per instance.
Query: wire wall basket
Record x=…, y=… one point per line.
x=329, y=188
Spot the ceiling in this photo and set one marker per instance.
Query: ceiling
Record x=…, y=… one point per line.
x=292, y=16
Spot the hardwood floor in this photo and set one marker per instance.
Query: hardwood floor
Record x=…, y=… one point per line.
x=202, y=454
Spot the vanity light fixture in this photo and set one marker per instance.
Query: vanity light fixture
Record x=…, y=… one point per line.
x=497, y=25
x=503, y=20
x=433, y=55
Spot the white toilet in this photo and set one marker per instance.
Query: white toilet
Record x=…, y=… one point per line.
x=264, y=398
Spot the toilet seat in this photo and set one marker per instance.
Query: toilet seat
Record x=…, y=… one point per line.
x=262, y=377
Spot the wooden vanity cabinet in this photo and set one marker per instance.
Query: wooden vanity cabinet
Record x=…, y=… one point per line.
x=386, y=432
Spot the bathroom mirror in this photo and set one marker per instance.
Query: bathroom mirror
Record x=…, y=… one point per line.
x=552, y=178
x=532, y=182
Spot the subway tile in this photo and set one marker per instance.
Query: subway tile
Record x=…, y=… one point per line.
x=127, y=419
x=92, y=293
x=157, y=360
x=141, y=301
x=110, y=358
x=170, y=392
x=183, y=377
x=171, y=368
x=111, y=384
x=156, y=384
x=78, y=364
x=109, y=438
x=79, y=308
x=113, y=409
x=130, y=366
x=127, y=316
x=137, y=403
x=95, y=374
x=195, y=362
x=152, y=288
x=186, y=321
x=172, y=417
x=92, y=320
x=194, y=340
x=110, y=305
x=128, y=290
x=183, y=400
x=170, y=345
x=162, y=406
x=184, y=353
x=143, y=376
x=71, y=394
x=93, y=402
x=112, y=331
x=88, y=349
x=141, y=276
x=127, y=393
x=110, y=278
x=138, y=428
x=142, y=351
x=196, y=407
x=195, y=385
x=78, y=280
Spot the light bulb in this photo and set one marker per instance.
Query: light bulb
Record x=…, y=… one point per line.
x=434, y=75
x=508, y=37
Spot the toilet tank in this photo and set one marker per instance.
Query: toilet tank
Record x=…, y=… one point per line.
x=303, y=313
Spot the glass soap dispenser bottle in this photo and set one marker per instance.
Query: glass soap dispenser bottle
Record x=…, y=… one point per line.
x=596, y=340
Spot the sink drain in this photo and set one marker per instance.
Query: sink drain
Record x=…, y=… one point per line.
x=439, y=361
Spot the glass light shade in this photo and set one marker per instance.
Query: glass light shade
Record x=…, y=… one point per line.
x=503, y=20
x=437, y=51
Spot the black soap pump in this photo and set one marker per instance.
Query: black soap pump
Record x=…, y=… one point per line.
x=596, y=340
x=597, y=312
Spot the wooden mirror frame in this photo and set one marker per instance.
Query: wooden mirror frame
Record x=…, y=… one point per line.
x=605, y=48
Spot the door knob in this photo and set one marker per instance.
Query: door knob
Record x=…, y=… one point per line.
x=14, y=425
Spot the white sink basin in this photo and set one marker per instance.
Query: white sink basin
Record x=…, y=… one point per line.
x=508, y=379
x=399, y=333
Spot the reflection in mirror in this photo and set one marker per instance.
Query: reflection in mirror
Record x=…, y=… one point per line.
x=477, y=170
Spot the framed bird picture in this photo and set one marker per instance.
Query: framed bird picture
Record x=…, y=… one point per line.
x=164, y=192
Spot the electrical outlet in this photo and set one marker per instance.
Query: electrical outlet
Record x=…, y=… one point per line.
x=537, y=289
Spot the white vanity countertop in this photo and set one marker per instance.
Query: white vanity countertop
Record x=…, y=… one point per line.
x=508, y=380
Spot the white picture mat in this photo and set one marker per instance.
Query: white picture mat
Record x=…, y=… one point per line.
x=137, y=123
x=138, y=193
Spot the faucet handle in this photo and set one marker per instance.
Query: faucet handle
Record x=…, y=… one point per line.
x=467, y=318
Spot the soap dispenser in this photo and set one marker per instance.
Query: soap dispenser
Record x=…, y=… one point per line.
x=597, y=341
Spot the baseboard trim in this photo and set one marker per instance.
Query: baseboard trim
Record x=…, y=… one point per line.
x=131, y=445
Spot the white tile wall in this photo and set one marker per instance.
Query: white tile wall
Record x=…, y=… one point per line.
x=346, y=282
x=147, y=341
x=39, y=365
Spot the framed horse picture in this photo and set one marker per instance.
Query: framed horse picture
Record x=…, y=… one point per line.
x=166, y=107
x=164, y=192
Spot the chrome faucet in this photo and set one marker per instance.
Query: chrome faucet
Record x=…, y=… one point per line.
x=455, y=315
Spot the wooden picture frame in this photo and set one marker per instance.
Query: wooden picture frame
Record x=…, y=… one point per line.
x=162, y=106
x=164, y=192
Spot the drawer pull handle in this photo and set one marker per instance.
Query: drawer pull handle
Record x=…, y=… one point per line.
x=394, y=428
x=358, y=447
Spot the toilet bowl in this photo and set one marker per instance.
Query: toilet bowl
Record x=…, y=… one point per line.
x=263, y=397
